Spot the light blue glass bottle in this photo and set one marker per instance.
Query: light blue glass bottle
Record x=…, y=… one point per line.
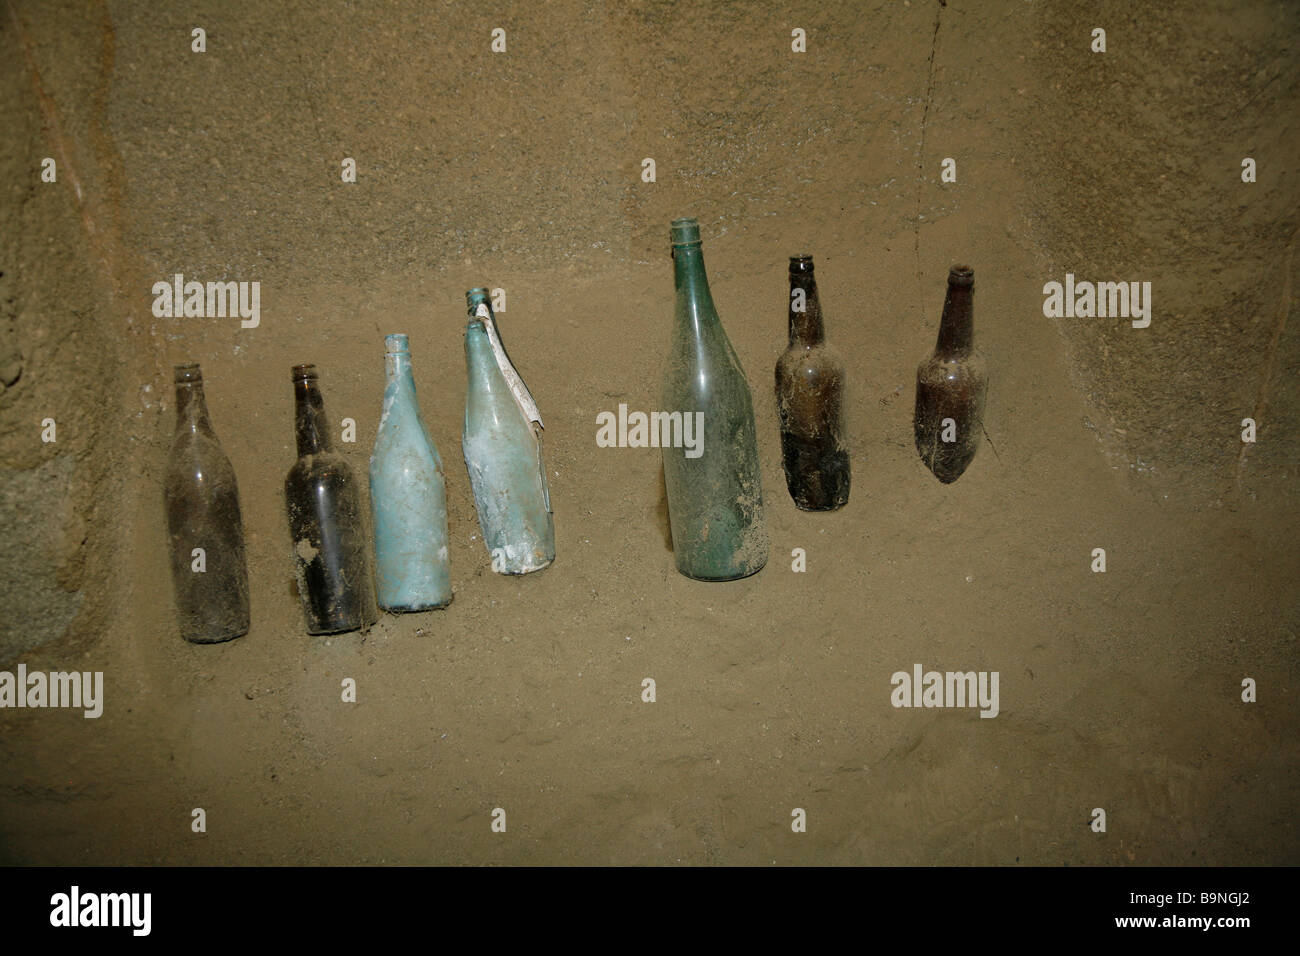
x=503, y=451
x=408, y=497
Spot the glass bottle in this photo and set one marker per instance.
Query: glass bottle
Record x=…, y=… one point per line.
x=503, y=451
x=209, y=568
x=715, y=498
x=408, y=497
x=326, y=522
x=809, y=400
x=951, y=385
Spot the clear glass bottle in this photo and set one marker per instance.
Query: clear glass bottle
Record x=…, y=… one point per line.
x=206, y=530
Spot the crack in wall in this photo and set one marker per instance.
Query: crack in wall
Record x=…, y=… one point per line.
x=920, y=158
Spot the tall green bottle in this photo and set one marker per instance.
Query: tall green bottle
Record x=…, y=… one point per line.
x=715, y=496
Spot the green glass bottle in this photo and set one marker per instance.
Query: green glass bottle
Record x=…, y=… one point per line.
x=715, y=497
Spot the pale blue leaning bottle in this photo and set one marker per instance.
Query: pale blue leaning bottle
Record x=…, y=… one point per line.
x=408, y=497
x=503, y=451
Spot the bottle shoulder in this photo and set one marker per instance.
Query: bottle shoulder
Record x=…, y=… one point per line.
x=195, y=456
x=820, y=360
x=711, y=370
x=938, y=368
x=403, y=453
x=401, y=426
x=494, y=411
x=323, y=468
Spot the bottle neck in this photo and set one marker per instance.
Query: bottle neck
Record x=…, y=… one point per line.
x=481, y=363
x=192, y=409
x=310, y=424
x=806, y=327
x=397, y=368
x=957, y=327
x=694, y=301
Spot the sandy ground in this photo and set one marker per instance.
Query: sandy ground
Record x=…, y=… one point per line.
x=522, y=170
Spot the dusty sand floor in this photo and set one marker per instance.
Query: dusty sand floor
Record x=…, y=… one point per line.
x=522, y=171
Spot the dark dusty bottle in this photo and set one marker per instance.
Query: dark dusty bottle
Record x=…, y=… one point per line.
x=202, y=502
x=326, y=523
x=809, y=401
x=951, y=385
x=715, y=499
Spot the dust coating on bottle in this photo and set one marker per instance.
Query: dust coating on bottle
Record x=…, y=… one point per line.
x=809, y=397
x=326, y=524
x=408, y=497
x=201, y=498
x=715, y=501
x=503, y=454
x=951, y=385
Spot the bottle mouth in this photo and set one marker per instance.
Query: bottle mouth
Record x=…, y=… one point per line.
x=188, y=373
x=802, y=263
x=685, y=232
x=304, y=373
x=961, y=275
x=474, y=296
x=396, y=343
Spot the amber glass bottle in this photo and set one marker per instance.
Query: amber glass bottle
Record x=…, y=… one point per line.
x=951, y=385
x=330, y=550
x=809, y=401
x=209, y=569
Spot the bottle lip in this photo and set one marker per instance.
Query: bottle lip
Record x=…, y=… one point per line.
x=396, y=343
x=685, y=232
x=188, y=373
x=961, y=275
x=801, y=263
x=476, y=295
x=304, y=373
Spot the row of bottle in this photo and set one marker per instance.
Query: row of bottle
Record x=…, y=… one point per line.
x=714, y=497
x=715, y=501
x=501, y=443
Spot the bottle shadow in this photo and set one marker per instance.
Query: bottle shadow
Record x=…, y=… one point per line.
x=661, y=510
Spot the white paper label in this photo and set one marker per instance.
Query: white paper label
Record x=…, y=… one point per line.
x=523, y=398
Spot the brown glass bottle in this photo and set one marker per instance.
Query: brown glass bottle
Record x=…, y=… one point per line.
x=206, y=532
x=950, y=386
x=330, y=551
x=809, y=401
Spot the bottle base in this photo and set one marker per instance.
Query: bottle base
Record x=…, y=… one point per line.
x=516, y=572
x=713, y=579
x=219, y=639
x=340, y=629
x=833, y=506
x=413, y=608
